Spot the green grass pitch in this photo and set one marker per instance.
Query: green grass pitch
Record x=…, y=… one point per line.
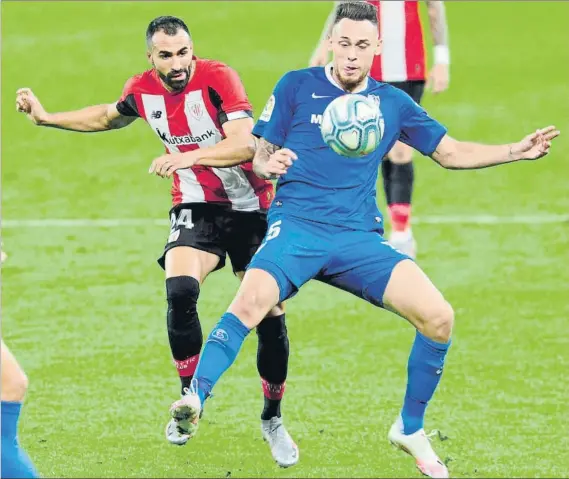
x=83, y=307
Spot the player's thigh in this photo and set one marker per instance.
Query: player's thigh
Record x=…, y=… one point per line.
x=242, y=235
x=411, y=294
x=243, y=238
x=194, y=245
x=362, y=264
x=258, y=294
x=14, y=381
x=292, y=252
x=275, y=310
x=188, y=261
x=385, y=277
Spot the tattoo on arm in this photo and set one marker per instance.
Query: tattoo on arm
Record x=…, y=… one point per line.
x=119, y=122
x=265, y=150
x=438, y=22
x=262, y=155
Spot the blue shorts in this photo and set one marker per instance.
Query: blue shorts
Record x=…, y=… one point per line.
x=295, y=251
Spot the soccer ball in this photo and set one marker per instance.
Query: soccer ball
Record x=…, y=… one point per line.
x=352, y=125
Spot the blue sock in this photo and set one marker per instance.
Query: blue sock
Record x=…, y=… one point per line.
x=219, y=352
x=15, y=461
x=424, y=371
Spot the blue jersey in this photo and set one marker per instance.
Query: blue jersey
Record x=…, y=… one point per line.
x=322, y=185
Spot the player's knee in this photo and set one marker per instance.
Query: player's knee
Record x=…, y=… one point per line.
x=182, y=293
x=250, y=307
x=278, y=310
x=14, y=386
x=182, y=288
x=438, y=323
x=400, y=154
x=272, y=331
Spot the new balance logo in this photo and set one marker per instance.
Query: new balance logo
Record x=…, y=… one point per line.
x=156, y=114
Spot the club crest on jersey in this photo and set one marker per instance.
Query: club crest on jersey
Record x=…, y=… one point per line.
x=196, y=110
x=375, y=99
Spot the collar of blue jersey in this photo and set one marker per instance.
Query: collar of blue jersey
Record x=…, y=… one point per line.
x=328, y=70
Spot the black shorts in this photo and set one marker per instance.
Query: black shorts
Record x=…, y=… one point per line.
x=413, y=88
x=216, y=229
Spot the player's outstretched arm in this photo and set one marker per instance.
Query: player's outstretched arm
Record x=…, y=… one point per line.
x=272, y=161
x=237, y=147
x=87, y=120
x=461, y=155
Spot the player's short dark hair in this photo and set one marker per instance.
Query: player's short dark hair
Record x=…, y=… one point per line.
x=358, y=11
x=168, y=25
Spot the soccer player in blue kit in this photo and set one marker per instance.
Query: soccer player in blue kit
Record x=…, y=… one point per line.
x=325, y=224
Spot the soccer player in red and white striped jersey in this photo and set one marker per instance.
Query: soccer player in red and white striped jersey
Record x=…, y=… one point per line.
x=199, y=109
x=402, y=63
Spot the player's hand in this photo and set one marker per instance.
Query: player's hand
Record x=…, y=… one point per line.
x=27, y=102
x=536, y=145
x=276, y=166
x=438, y=79
x=166, y=165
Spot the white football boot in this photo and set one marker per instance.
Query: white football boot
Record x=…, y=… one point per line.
x=419, y=446
x=174, y=436
x=404, y=242
x=186, y=413
x=283, y=448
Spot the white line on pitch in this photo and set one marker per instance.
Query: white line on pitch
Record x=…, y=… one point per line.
x=433, y=220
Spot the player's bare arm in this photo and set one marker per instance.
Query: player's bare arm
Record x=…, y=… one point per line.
x=320, y=55
x=86, y=120
x=461, y=155
x=438, y=79
x=237, y=147
x=271, y=161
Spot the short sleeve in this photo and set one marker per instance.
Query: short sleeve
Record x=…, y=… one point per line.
x=229, y=96
x=126, y=105
x=418, y=129
x=275, y=120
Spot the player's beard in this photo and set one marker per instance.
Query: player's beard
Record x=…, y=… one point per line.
x=173, y=83
x=351, y=83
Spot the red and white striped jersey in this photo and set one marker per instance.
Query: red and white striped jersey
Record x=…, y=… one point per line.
x=192, y=119
x=403, y=54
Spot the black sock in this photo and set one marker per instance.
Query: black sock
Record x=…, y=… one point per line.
x=184, y=329
x=271, y=408
x=401, y=178
x=386, y=175
x=272, y=363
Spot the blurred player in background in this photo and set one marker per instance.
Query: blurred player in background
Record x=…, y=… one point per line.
x=200, y=111
x=402, y=63
x=15, y=461
x=325, y=225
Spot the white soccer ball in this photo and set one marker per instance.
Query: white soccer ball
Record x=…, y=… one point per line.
x=352, y=125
